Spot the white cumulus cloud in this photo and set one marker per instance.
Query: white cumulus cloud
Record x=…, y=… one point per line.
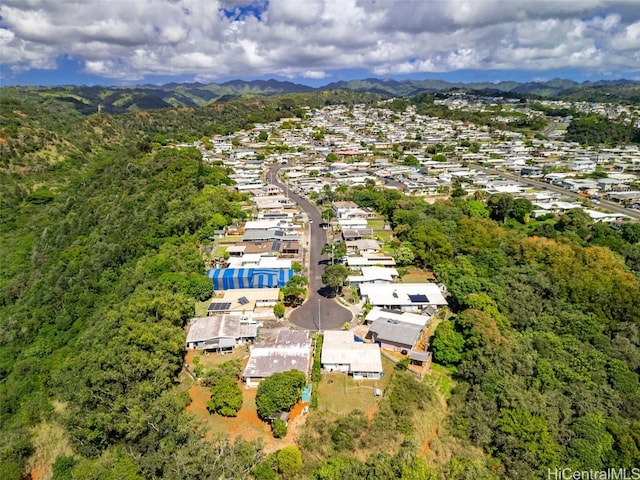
x=132, y=39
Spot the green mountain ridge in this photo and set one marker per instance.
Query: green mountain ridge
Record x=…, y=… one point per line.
x=88, y=99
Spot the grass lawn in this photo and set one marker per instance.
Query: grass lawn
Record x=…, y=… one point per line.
x=231, y=239
x=388, y=250
x=210, y=360
x=201, y=308
x=376, y=224
x=340, y=393
x=416, y=276
x=378, y=230
x=383, y=235
x=220, y=251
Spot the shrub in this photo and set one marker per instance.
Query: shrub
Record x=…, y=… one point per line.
x=279, y=428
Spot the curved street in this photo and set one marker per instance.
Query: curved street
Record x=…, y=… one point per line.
x=318, y=312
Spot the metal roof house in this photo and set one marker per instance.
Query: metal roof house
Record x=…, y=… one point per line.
x=377, y=313
x=406, y=297
x=373, y=275
x=395, y=335
x=341, y=353
x=220, y=333
x=292, y=350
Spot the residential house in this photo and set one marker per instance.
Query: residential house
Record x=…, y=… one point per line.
x=406, y=297
x=247, y=302
x=342, y=353
x=373, y=275
x=350, y=234
x=395, y=335
x=363, y=246
x=345, y=210
x=292, y=350
x=234, y=278
x=371, y=260
x=220, y=333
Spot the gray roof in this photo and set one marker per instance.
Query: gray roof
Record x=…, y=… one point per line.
x=291, y=351
x=419, y=355
x=356, y=232
x=396, y=332
x=208, y=329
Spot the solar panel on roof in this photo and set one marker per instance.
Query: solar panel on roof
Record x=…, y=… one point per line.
x=218, y=307
x=418, y=298
x=243, y=300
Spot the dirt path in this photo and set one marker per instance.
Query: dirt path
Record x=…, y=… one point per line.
x=37, y=471
x=427, y=443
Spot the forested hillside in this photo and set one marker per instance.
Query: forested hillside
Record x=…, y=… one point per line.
x=544, y=344
x=101, y=268
x=101, y=222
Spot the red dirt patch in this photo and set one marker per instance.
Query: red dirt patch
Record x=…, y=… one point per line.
x=36, y=472
x=296, y=411
x=371, y=412
x=425, y=446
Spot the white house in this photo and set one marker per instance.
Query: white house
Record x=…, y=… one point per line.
x=341, y=353
x=373, y=275
x=406, y=297
x=345, y=210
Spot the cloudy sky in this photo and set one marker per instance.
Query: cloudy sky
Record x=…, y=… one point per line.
x=114, y=42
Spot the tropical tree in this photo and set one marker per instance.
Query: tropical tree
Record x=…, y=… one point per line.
x=289, y=461
x=295, y=291
x=334, y=276
x=501, y=206
x=279, y=392
x=279, y=428
x=226, y=397
x=337, y=250
x=447, y=344
x=521, y=209
x=327, y=214
x=404, y=254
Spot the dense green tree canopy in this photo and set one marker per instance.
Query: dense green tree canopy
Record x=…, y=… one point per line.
x=279, y=392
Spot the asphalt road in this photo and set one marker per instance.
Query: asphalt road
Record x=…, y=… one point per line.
x=318, y=312
x=604, y=204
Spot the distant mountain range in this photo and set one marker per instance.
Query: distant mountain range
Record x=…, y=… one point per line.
x=148, y=97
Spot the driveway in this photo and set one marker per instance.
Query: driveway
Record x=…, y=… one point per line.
x=318, y=312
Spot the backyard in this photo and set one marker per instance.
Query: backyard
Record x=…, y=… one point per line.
x=378, y=230
x=246, y=424
x=340, y=393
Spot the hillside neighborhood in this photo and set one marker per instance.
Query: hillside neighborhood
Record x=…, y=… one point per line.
x=255, y=266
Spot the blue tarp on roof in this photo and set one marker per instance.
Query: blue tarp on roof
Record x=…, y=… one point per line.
x=232, y=278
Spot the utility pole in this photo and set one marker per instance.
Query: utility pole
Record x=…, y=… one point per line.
x=319, y=328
